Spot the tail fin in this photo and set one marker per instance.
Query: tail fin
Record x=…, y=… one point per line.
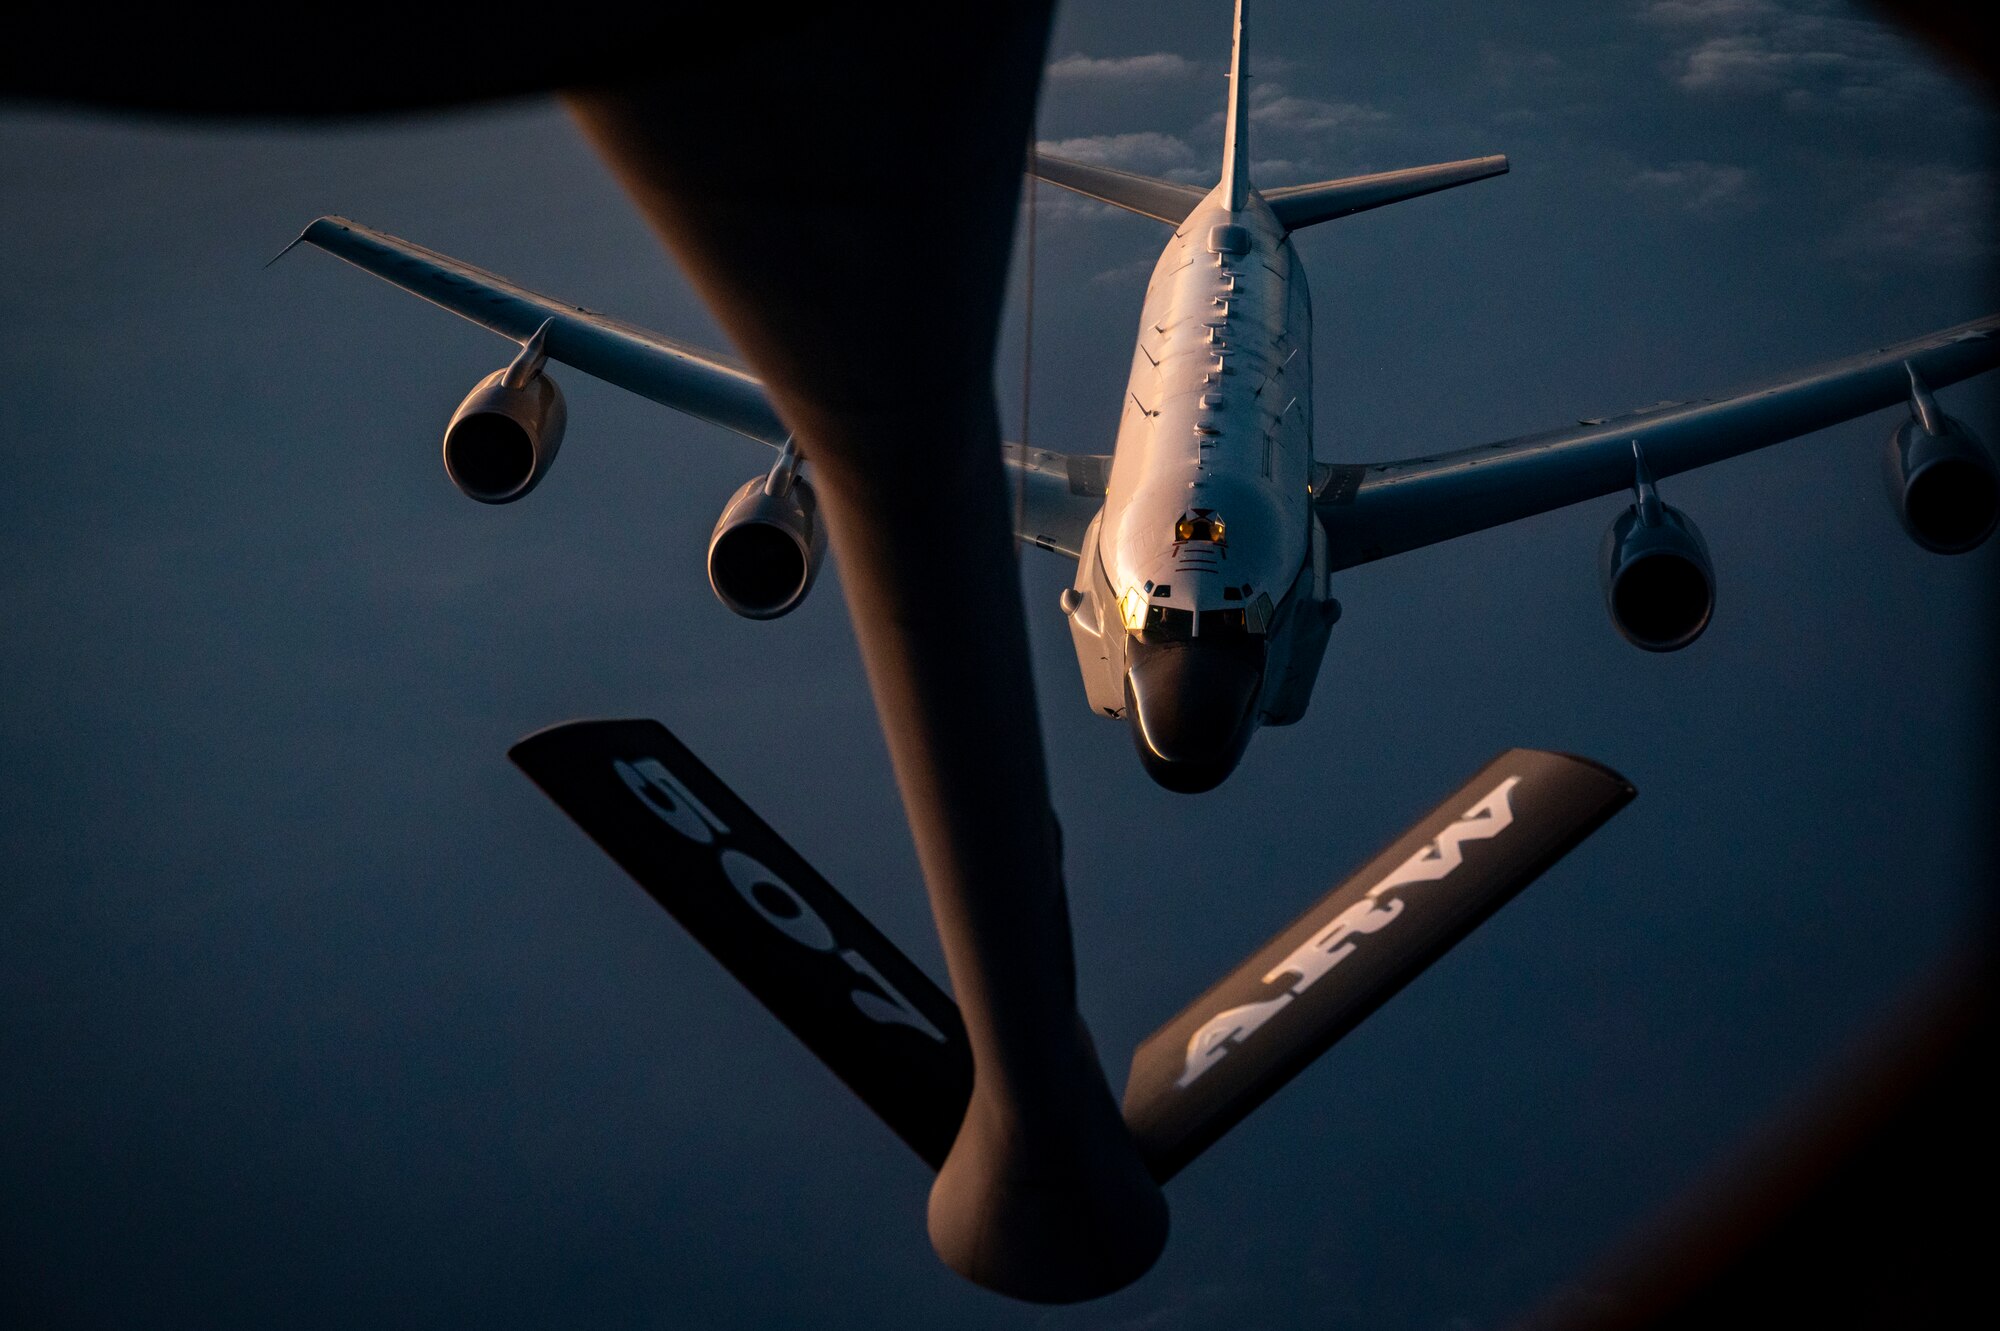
x=1302, y=205
x=1235, y=1046
x=1167, y=200
x=1296, y=205
x=869, y=1012
x=1236, y=129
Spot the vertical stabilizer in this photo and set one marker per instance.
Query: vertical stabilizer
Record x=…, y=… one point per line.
x=1236, y=131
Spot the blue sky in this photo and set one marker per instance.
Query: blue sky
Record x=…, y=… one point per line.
x=314, y=1011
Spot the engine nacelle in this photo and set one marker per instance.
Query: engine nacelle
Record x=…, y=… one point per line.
x=1659, y=584
x=502, y=438
x=767, y=547
x=1942, y=483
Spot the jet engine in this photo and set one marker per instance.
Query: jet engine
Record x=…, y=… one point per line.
x=768, y=544
x=505, y=434
x=1941, y=478
x=1658, y=582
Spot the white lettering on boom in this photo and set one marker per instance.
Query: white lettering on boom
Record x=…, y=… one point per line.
x=779, y=904
x=1334, y=942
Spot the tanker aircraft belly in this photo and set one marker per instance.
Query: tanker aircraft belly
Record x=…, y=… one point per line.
x=1206, y=540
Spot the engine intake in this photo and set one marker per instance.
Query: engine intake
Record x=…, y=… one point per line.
x=505, y=434
x=1942, y=483
x=501, y=440
x=768, y=546
x=1659, y=584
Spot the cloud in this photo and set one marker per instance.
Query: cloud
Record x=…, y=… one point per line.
x=1808, y=53
x=1055, y=205
x=1157, y=67
x=1709, y=11
x=1293, y=130
x=1273, y=108
x=1699, y=187
x=1276, y=170
x=1148, y=152
x=1288, y=129
x=1927, y=214
x=1752, y=64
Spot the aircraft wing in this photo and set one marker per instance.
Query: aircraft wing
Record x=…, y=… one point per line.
x=1058, y=493
x=1055, y=495
x=702, y=384
x=1381, y=509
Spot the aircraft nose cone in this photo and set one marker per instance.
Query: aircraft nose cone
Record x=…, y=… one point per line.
x=1192, y=708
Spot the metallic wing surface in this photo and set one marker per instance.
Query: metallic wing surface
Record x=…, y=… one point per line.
x=1058, y=493
x=1380, y=509
x=1299, y=206
x=702, y=384
x=1162, y=200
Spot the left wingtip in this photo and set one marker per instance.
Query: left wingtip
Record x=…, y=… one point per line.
x=296, y=242
x=306, y=235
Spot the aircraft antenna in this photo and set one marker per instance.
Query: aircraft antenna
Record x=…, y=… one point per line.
x=1027, y=359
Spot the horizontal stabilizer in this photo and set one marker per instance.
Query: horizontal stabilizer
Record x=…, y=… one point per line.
x=1302, y=205
x=1162, y=200
x=1201, y=1073
x=867, y=1011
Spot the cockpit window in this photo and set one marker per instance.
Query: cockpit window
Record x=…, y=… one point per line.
x=1164, y=623
x=1146, y=618
x=1224, y=624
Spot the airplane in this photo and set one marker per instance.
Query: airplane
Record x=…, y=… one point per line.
x=1206, y=541
x=1047, y=1187
x=1033, y=1196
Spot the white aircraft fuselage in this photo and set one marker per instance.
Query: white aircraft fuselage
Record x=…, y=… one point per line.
x=1200, y=609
